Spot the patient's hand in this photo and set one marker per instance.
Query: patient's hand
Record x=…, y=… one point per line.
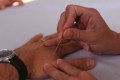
x=35, y=55
x=7, y=3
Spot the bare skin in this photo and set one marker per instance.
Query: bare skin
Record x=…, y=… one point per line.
x=67, y=72
x=7, y=3
x=87, y=26
x=34, y=54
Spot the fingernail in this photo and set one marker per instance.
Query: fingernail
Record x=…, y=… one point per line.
x=90, y=63
x=59, y=61
x=47, y=66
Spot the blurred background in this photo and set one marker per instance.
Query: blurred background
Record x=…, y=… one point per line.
x=18, y=24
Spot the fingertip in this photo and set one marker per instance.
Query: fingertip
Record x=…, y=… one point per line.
x=47, y=66
x=60, y=61
x=84, y=63
x=60, y=34
x=90, y=63
x=36, y=38
x=40, y=35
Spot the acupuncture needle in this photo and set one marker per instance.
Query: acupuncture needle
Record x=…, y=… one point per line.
x=58, y=44
x=57, y=47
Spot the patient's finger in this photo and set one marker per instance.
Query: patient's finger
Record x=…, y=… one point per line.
x=83, y=63
x=36, y=38
x=68, y=48
x=51, y=42
x=52, y=36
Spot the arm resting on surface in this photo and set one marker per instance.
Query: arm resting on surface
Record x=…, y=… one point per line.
x=34, y=54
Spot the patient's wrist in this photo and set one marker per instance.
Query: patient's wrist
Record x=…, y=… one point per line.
x=26, y=58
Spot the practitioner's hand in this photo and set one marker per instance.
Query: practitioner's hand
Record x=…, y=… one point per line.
x=7, y=3
x=65, y=71
x=88, y=27
x=35, y=55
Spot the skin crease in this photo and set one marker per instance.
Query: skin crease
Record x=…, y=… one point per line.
x=6, y=3
x=87, y=26
x=34, y=54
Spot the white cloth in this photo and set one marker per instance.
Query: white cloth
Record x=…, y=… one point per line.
x=18, y=24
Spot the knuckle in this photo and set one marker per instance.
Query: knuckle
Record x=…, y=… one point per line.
x=93, y=11
x=63, y=13
x=69, y=6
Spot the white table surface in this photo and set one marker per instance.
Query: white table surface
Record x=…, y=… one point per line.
x=18, y=24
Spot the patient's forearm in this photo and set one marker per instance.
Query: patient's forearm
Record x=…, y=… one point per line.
x=8, y=72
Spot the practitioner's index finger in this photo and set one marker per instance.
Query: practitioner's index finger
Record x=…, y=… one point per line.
x=72, y=12
x=61, y=22
x=70, y=16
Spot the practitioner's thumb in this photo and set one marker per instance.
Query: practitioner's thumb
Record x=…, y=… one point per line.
x=75, y=34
